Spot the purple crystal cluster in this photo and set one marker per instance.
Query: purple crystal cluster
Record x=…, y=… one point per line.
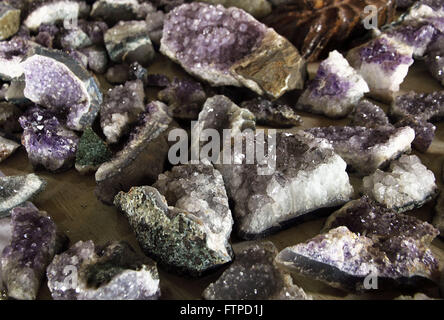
x=416, y=34
x=47, y=141
x=367, y=114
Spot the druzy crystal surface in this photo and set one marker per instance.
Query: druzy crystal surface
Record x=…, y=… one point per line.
x=121, y=108
x=32, y=247
x=335, y=90
x=367, y=114
x=344, y=259
x=92, y=151
x=16, y=190
x=254, y=275
x=424, y=132
x=110, y=272
x=12, y=53
x=184, y=97
x=366, y=149
x=142, y=158
x=272, y=113
x=304, y=175
x=58, y=82
x=406, y=185
x=229, y=47
x=47, y=142
x=7, y=147
x=9, y=21
x=425, y=106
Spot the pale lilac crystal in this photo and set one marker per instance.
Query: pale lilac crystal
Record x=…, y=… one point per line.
x=48, y=143
x=417, y=35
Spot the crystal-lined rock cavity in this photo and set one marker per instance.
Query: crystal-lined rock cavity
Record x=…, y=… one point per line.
x=229, y=47
x=335, y=90
x=110, y=272
x=48, y=143
x=408, y=184
x=58, y=82
x=255, y=276
x=16, y=190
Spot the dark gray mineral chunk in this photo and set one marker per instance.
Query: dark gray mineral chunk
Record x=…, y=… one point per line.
x=91, y=152
x=33, y=244
x=7, y=147
x=438, y=219
x=58, y=82
x=297, y=175
x=157, y=80
x=84, y=34
x=406, y=185
x=368, y=114
x=121, y=108
x=366, y=149
x=229, y=47
x=97, y=58
x=117, y=74
x=5, y=240
x=113, y=11
x=184, y=98
x=142, y=158
x=16, y=190
x=344, y=259
x=254, y=275
x=424, y=132
x=435, y=65
x=47, y=35
x=9, y=21
x=110, y=272
x=47, y=142
x=424, y=106
x=272, y=113
x=129, y=41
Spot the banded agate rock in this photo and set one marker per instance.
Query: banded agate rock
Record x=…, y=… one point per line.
x=190, y=228
x=129, y=41
x=33, y=244
x=91, y=152
x=272, y=113
x=142, y=158
x=12, y=53
x=366, y=149
x=16, y=190
x=438, y=219
x=48, y=143
x=335, y=90
x=58, y=82
x=297, y=176
x=121, y=108
x=257, y=8
x=113, y=11
x=7, y=147
x=184, y=98
x=424, y=106
x=110, y=272
x=9, y=21
x=344, y=259
x=367, y=114
x=383, y=63
x=229, y=47
x=254, y=275
x=408, y=184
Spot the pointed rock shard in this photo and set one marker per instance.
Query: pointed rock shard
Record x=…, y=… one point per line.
x=110, y=272
x=296, y=180
x=58, y=82
x=254, y=275
x=423, y=106
x=408, y=184
x=33, y=245
x=344, y=259
x=366, y=149
x=7, y=147
x=91, y=152
x=9, y=21
x=141, y=160
x=47, y=142
x=335, y=90
x=229, y=47
x=367, y=114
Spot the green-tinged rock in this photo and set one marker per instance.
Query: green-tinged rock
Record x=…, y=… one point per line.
x=91, y=153
x=9, y=21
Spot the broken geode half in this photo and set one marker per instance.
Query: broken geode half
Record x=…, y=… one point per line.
x=229, y=47
x=345, y=260
x=366, y=149
x=91, y=152
x=335, y=90
x=254, y=275
x=110, y=272
x=16, y=190
x=408, y=184
x=297, y=175
x=423, y=106
x=58, y=82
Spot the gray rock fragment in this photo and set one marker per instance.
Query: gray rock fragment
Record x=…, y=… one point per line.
x=7, y=147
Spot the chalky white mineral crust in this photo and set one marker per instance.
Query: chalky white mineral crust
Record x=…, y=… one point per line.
x=335, y=90
x=52, y=12
x=407, y=184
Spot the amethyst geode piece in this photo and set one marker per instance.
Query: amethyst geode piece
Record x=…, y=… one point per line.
x=366, y=149
x=58, y=82
x=47, y=142
x=110, y=272
x=344, y=259
x=335, y=90
x=33, y=244
x=367, y=114
x=142, y=158
x=229, y=47
x=424, y=132
x=121, y=108
x=423, y=106
x=255, y=276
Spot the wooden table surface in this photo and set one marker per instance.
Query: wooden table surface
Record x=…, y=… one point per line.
x=69, y=199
